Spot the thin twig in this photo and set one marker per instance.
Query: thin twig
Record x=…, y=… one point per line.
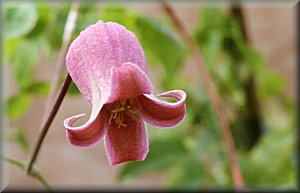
x=48, y=117
x=208, y=84
x=239, y=13
x=35, y=174
x=250, y=88
x=48, y=122
x=250, y=85
x=68, y=32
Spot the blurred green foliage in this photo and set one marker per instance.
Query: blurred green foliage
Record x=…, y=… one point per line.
x=19, y=19
x=192, y=155
x=17, y=105
x=165, y=152
x=35, y=173
x=19, y=135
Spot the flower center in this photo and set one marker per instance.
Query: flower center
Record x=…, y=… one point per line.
x=120, y=109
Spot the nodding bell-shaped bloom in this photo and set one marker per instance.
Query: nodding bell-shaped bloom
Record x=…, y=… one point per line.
x=108, y=65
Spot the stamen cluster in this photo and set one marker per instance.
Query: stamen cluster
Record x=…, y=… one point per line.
x=120, y=109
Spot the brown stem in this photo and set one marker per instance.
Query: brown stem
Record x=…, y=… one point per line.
x=208, y=84
x=48, y=122
x=68, y=31
x=250, y=86
x=48, y=117
x=238, y=12
x=253, y=113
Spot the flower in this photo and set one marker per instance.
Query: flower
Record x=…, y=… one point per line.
x=108, y=65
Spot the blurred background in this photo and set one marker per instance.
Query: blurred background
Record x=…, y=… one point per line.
x=250, y=52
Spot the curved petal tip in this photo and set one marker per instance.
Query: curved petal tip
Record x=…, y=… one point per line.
x=162, y=113
x=88, y=134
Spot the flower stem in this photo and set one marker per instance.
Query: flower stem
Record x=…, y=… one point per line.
x=68, y=31
x=47, y=118
x=208, y=84
x=48, y=122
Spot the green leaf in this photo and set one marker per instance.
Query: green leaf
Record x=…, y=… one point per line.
x=17, y=163
x=24, y=61
x=56, y=24
x=20, y=137
x=162, y=155
x=17, y=105
x=201, y=109
x=254, y=61
x=42, y=43
x=37, y=87
x=163, y=44
x=19, y=18
x=212, y=48
x=10, y=48
x=234, y=42
x=73, y=89
x=275, y=154
x=272, y=85
x=35, y=173
x=190, y=174
x=212, y=17
x=87, y=15
x=40, y=178
x=44, y=14
x=119, y=14
x=212, y=20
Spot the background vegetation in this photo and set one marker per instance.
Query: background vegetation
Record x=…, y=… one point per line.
x=193, y=155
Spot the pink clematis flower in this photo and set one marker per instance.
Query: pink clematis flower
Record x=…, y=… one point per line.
x=108, y=65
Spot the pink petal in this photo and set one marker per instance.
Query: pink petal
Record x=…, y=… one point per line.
x=161, y=113
x=128, y=143
x=96, y=60
x=128, y=81
x=91, y=132
x=96, y=50
x=87, y=135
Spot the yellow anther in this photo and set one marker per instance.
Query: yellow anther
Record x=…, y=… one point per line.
x=122, y=108
x=117, y=110
x=109, y=121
